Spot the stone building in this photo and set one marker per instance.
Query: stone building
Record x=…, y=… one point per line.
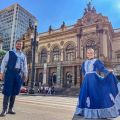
x=60, y=52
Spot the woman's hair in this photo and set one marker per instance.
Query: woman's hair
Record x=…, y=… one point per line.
x=90, y=49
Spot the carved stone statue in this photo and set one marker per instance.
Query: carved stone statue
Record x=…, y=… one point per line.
x=93, y=10
x=63, y=25
x=50, y=28
x=85, y=11
x=89, y=6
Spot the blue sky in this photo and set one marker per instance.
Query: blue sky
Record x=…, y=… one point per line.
x=54, y=12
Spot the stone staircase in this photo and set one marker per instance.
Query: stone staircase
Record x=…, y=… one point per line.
x=72, y=91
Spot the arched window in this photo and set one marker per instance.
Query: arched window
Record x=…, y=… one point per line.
x=56, y=54
x=69, y=79
x=90, y=44
x=43, y=56
x=70, y=52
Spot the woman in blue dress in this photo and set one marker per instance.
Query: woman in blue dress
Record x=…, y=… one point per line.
x=99, y=96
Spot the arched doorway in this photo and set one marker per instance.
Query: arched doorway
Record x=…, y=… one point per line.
x=69, y=79
x=41, y=78
x=54, y=78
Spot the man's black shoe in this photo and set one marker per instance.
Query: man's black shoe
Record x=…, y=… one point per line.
x=11, y=111
x=3, y=113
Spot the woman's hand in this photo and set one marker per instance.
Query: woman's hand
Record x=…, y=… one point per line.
x=110, y=70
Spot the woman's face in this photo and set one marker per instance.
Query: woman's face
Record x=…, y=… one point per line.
x=90, y=53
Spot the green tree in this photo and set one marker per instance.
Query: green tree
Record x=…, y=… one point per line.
x=2, y=53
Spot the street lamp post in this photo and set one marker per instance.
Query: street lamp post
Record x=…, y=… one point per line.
x=33, y=44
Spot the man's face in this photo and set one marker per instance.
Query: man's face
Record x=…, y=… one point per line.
x=18, y=45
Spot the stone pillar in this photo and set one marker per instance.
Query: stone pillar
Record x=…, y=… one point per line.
x=61, y=59
x=48, y=57
x=103, y=40
x=78, y=75
x=100, y=35
x=81, y=52
x=35, y=74
x=58, y=73
x=73, y=72
x=105, y=45
x=78, y=46
x=84, y=52
x=36, y=57
x=62, y=76
x=47, y=74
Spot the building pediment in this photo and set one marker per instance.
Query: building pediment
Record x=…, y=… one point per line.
x=91, y=16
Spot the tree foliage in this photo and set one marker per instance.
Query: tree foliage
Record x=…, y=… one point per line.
x=2, y=53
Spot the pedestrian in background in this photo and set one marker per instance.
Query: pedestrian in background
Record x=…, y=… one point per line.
x=14, y=68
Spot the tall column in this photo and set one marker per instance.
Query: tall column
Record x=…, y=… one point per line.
x=73, y=72
x=36, y=74
x=58, y=73
x=62, y=76
x=105, y=44
x=47, y=74
x=36, y=58
x=78, y=46
x=61, y=58
x=100, y=35
x=79, y=31
x=81, y=52
x=84, y=50
x=78, y=75
x=48, y=59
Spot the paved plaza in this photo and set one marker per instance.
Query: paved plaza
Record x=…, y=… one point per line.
x=43, y=108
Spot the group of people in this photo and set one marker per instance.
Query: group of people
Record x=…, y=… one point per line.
x=48, y=90
x=99, y=96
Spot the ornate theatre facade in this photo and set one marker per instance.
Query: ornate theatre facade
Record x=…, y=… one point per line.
x=60, y=52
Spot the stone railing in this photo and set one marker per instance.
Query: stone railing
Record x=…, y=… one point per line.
x=61, y=63
x=56, y=31
x=115, y=60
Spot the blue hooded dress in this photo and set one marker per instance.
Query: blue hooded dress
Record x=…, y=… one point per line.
x=99, y=96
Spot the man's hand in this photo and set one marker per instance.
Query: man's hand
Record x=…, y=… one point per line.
x=1, y=76
x=24, y=78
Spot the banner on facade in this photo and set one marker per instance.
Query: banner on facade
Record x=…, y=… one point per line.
x=45, y=73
